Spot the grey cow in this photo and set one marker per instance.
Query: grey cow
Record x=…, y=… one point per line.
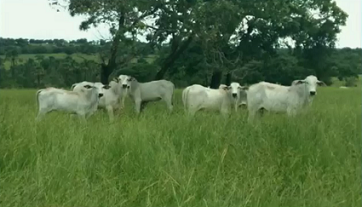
x=143, y=93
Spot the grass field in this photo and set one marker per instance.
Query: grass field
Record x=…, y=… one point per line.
x=161, y=159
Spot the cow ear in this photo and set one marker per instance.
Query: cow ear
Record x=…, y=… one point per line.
x=73, y=86
x=116, y=79
x=106, y=86
x=321, y=83
x=297, y=82
x=244, y=87
x=224, y=87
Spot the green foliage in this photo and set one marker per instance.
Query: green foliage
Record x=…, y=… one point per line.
x=168, y=160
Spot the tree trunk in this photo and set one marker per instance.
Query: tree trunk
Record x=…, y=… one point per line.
x=106, y=70
x=216, y=79
x=206, y=80
x=172, y=57
x=228, y=79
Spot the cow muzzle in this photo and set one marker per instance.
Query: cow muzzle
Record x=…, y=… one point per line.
x=100, y=95
x=312, y=93
x=124, y=86
x=234, y=95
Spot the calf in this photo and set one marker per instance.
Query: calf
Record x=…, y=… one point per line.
x=124, y=81
x=83, y=102
x=238, y=94
x=197, y=97
x=278, y=98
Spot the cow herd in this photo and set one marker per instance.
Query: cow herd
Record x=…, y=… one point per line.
x=85, y=98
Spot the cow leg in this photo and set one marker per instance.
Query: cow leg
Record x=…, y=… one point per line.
x=82, y=117
x=122, y=102
x=117, y=110
x=192, y=110
x=110, y=113
x=143, y=105
x=261, y=111
x=224, y=112
x=72, y=115
x=169, y=103
x=138, y=103
x=41, y=114
x=251, y=115
x=291, y=112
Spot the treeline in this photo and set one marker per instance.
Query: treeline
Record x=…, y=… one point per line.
x=35, y=46
x=45, y=70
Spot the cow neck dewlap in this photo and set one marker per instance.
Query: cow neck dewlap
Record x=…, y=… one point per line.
x=302, y=91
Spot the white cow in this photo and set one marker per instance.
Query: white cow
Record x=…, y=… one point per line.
x=278, y=98
x=83, y=102
x=124, y=81
x=143, y=93
x=238, y=94
x=111, y=98
x=185, y=91
x=197, y=97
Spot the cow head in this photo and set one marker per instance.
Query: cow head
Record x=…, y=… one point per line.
x=81, y=85
x=124, y=80
x=311, y=82
x=234, y=89
x=90, y=87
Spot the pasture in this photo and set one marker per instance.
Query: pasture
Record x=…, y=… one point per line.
x=161, y=159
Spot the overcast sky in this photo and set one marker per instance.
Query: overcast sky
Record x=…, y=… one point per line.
x=34, y=19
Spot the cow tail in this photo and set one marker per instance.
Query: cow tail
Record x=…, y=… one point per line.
x=37, y=96
x=173, y=91
x=184, y=97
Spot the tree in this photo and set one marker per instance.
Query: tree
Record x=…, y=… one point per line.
x=124, y=18
x=262, y=25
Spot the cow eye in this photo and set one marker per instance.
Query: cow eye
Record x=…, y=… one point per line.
x=129, y=79
x=87, y=86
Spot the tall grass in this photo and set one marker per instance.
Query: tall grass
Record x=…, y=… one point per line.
x=161, y=159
